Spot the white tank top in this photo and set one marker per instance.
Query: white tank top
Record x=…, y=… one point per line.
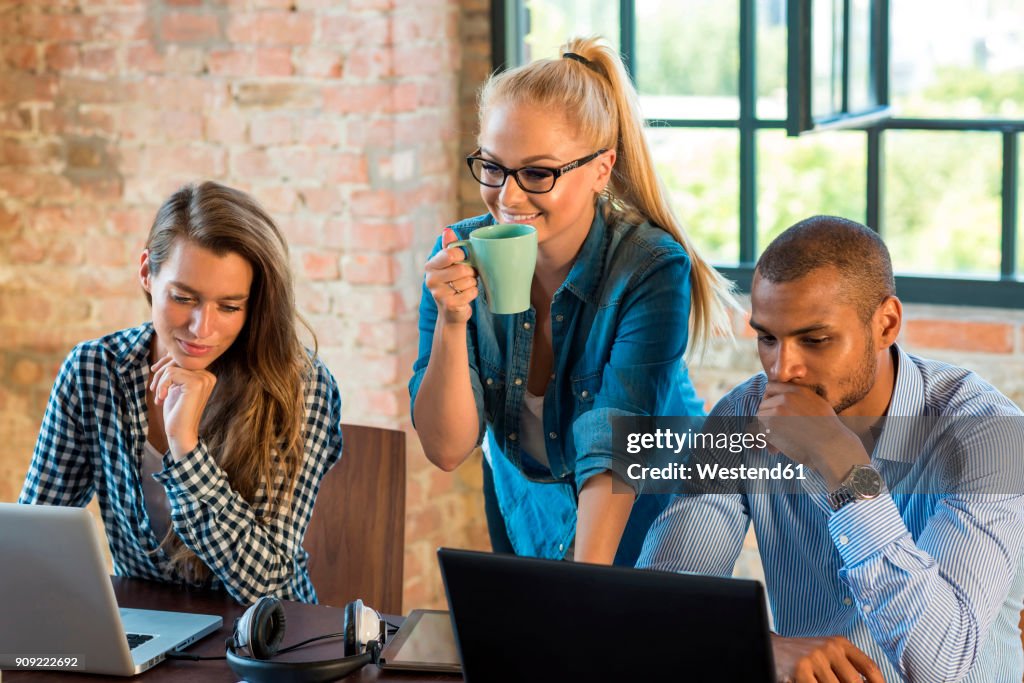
x=531, y=429
x=153, y=493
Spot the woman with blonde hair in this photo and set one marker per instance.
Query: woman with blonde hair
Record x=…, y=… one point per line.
x=561, y=148
x=205, y=432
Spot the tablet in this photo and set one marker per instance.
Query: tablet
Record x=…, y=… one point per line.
x=425, y=642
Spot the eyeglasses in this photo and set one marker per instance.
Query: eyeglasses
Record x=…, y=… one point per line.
x=532, y=179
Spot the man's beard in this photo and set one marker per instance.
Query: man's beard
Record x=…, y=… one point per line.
x=858, y=384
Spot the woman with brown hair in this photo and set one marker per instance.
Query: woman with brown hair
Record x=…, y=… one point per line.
x=204, y=433
x=619, y=295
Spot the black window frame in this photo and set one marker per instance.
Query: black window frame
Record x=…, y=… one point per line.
x=509, y=26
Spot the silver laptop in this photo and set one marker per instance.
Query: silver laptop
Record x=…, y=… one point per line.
x=57, y=604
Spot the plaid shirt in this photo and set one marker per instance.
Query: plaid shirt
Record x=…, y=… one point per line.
x=91, y=443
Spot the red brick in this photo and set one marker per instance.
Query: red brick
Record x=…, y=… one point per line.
x=10, y=222
x=345, y=168
x=374, y=204
x=56, y=27
x=271, y=28
x=277, y=199
x=318, y=63
x=377, y=237
x=229, y=62
x=225, y=126
x=370, y=63
x=183, y=60
x=371, y=302
x=121, y=26
x=371, y=269
x=352, y=29
x=980, y=337
x=322, y=199
x=252, y=163
x=274, y=62
x=130, y=222
x=320, y=266
x=142, y=59
x=415, y=24
x=24, y=56
x=311, y=299
x=63, y=220
x=291, y=95
x=420, y=60
x=273, y=129
x=344, y=98
x=101, y=188
x=195, y=161
x=188, y=27
x=324, y=131
x=301, y=231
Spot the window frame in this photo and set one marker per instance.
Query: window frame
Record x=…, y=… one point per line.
x=509, y=27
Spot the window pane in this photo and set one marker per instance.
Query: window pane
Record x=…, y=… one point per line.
x=826, y=58
x=956, y=59
x=687, y=61
x=1020, y=206
x=942, y=204
x=801, y=177
x=860, y=55
x=552, y=22
x=700, y=169
x=771, y=59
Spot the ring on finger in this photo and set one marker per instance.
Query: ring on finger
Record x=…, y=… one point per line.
x=453, y=287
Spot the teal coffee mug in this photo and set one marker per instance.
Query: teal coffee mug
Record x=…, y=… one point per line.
x=505, y=256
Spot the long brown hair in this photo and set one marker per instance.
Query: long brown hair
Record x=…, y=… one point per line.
x=253, y=423
x=597, y=97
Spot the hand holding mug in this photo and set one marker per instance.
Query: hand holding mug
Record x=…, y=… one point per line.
x=451, y=281
x=183, y=394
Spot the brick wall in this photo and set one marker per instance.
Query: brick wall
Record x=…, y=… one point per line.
x=342, y=117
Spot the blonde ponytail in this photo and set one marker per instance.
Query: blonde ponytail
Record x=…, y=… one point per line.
x=591, y=85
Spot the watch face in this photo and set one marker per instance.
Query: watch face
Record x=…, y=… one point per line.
x=866, y=482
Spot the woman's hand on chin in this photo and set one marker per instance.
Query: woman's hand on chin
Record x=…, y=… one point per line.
x=183, y=395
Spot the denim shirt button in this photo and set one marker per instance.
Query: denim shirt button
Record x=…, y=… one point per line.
x=561, y=547
x=490, y=381
x=584, y=393
x=559, y=317
x=519, y=380
x=552, y=435
x=526, y=326
x=512, y=436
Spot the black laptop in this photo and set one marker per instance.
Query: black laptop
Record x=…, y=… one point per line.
x=524, y=619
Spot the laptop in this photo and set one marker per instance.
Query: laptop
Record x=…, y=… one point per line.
x=58, y=605
x=524, y=619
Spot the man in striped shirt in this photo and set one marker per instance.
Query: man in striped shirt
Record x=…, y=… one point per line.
x=881, y=558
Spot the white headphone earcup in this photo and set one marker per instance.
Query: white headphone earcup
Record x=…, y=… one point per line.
x=368, y=627
x=362, y=624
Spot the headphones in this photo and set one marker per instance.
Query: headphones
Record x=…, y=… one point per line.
x=261, y=630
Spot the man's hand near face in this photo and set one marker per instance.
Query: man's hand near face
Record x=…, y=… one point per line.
x=818, y=440
x=822, y=660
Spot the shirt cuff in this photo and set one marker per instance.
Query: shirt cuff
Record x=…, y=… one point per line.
x=862, y=528
x=195, y=478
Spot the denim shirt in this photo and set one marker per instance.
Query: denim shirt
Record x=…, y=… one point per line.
x=619, y=328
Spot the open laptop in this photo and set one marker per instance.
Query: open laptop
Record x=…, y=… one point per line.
x=524, y=619
x=58, y=604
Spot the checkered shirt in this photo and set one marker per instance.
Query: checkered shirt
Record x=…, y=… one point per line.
x=91, y=443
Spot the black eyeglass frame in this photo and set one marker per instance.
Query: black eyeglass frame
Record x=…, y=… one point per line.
x=556, y=173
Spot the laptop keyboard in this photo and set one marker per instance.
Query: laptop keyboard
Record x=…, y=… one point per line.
x=136, y=639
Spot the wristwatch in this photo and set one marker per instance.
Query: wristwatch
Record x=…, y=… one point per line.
x=862, y=483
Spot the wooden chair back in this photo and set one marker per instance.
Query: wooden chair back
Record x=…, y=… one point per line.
x=356, y=537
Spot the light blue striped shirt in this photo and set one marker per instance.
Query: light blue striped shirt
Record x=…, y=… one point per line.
x=928, y=584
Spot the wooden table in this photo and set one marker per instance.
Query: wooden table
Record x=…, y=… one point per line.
x=303, y=621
